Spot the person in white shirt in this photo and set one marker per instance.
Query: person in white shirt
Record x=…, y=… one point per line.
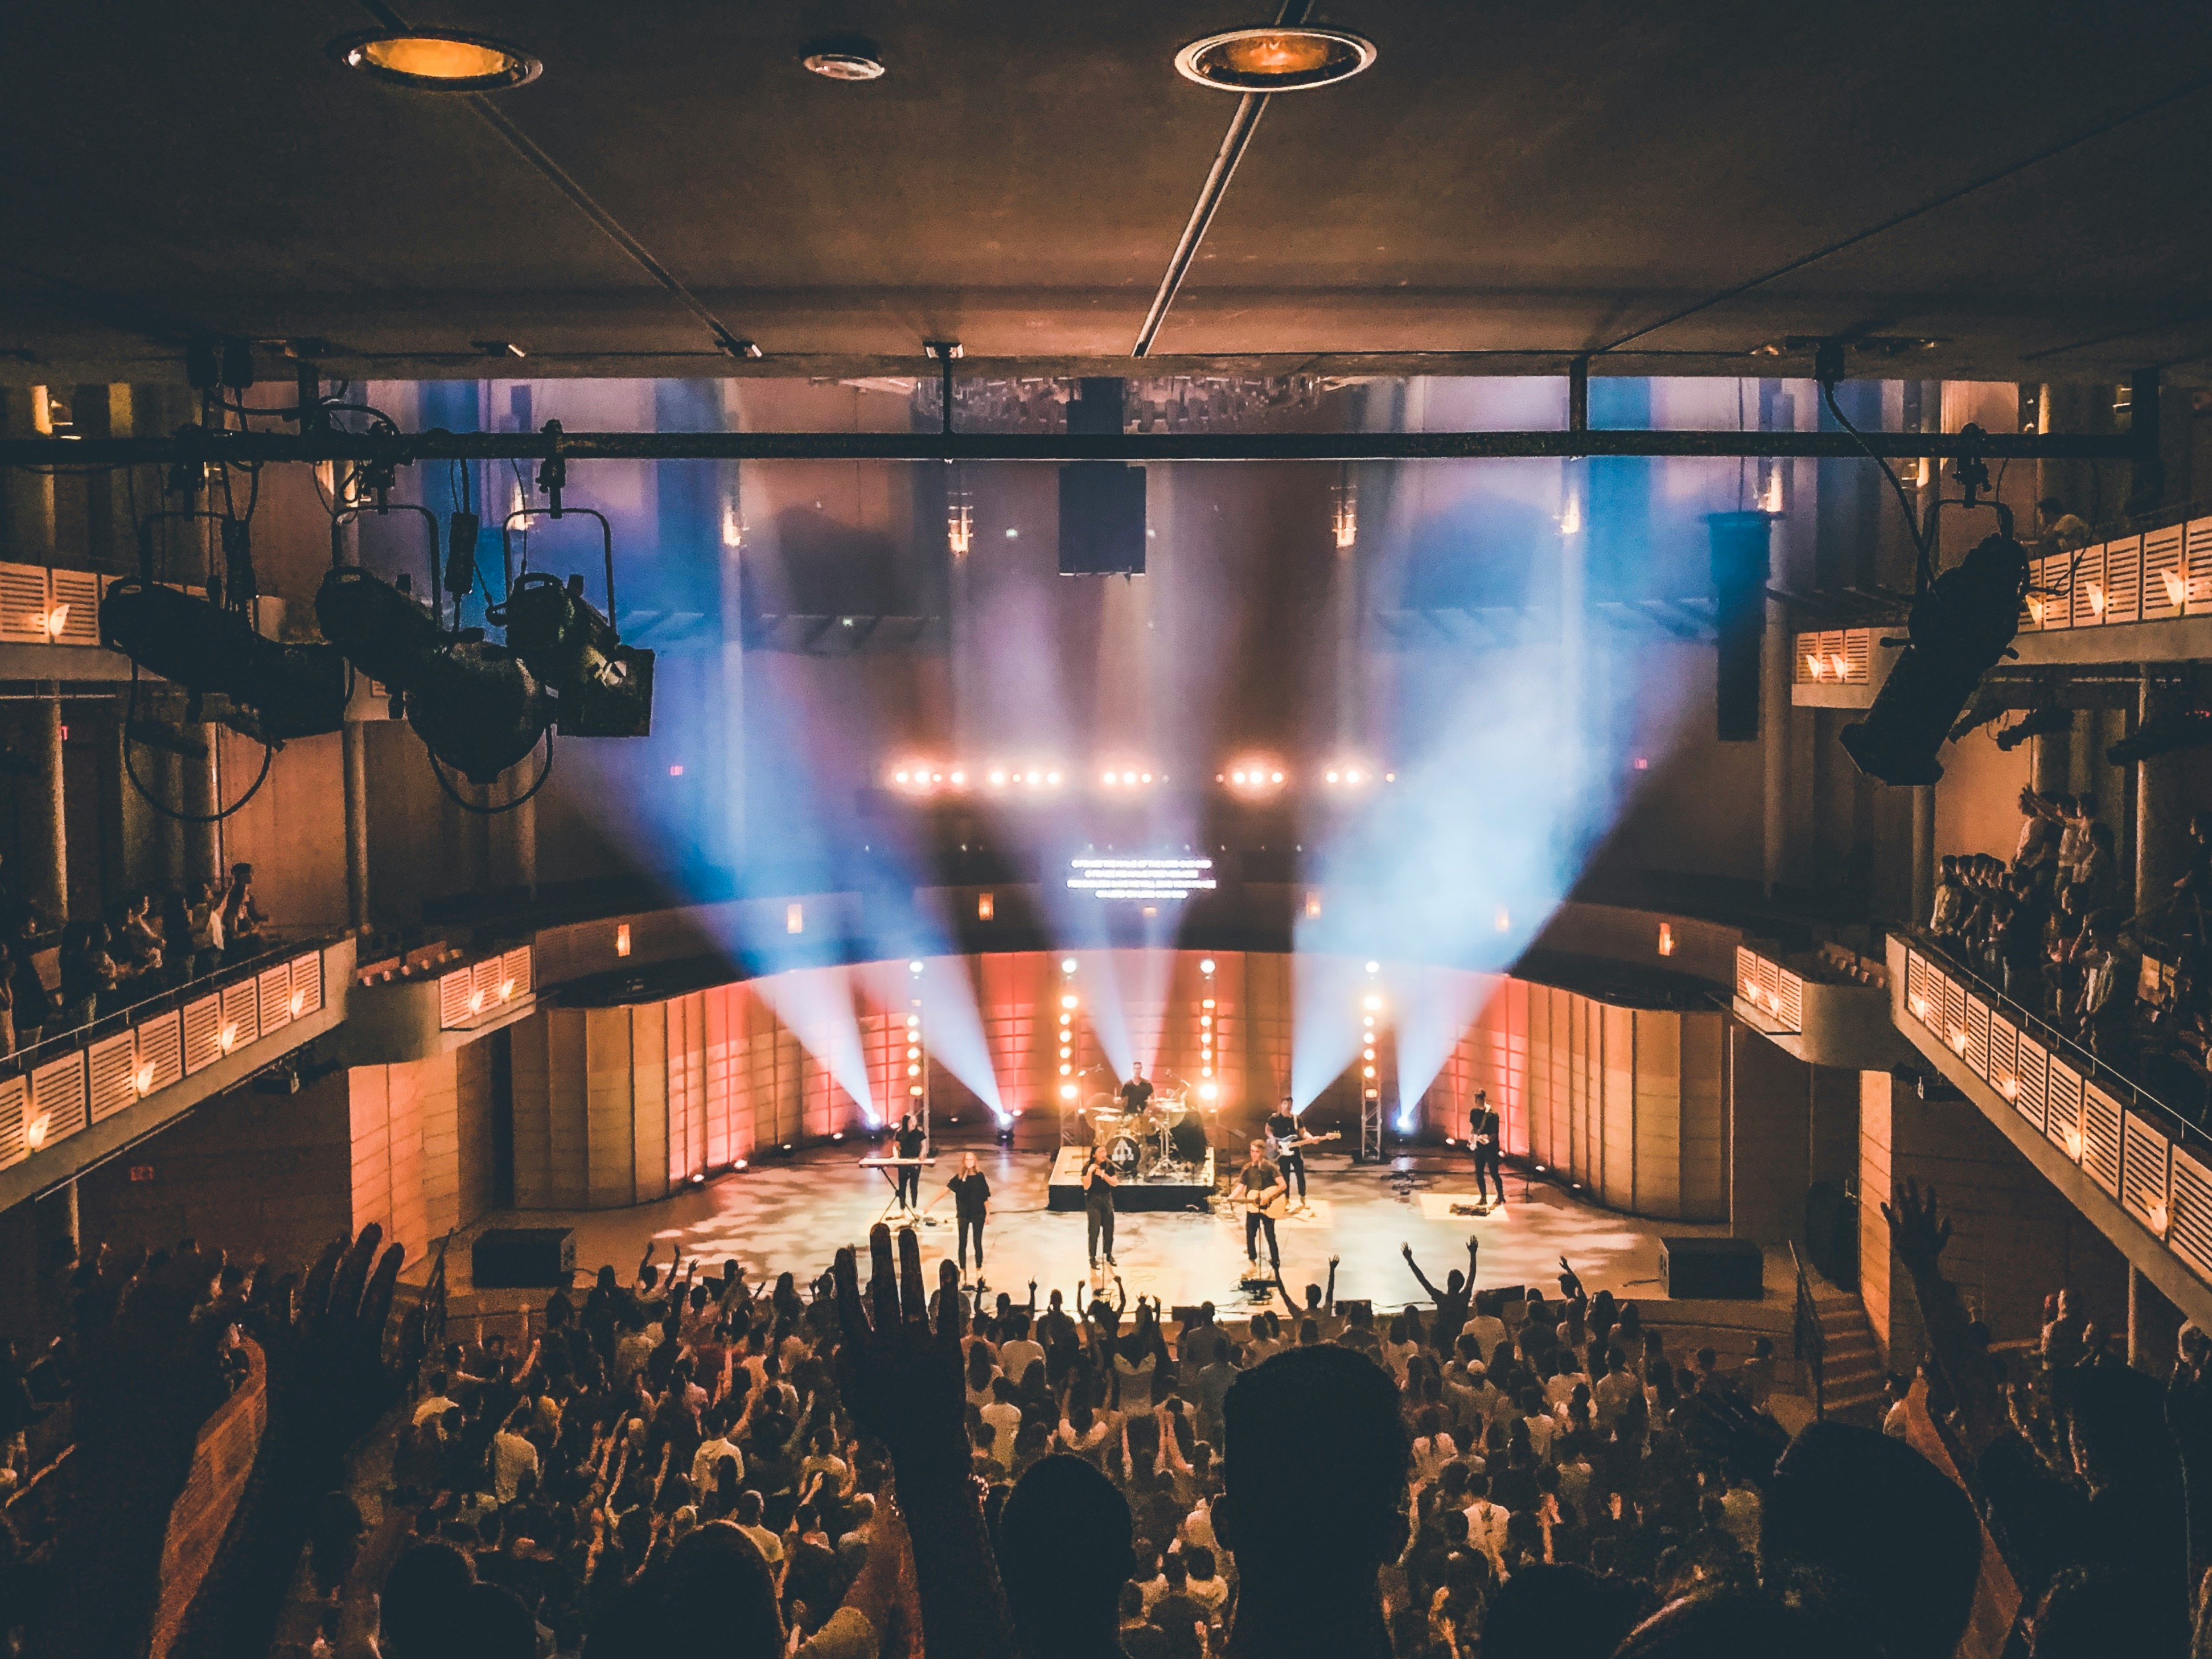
x=1485, y=1327
x=1741, y=1510
x=1485, y=1522
x=1612, y=1391
x=709, y=1458
x=511, y=1454
x=437, y=1404
x=1005, y=1418
x=749, y=1522
x=1018, y=1351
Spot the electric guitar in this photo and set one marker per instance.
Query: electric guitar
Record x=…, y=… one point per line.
x=1297, y=1140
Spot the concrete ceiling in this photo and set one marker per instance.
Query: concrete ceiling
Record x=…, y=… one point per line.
x=1523, y=182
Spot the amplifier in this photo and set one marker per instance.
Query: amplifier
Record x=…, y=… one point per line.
x=1712, y=1269
x=518, y=1258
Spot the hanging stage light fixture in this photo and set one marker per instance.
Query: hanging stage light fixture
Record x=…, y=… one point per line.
x=602, y=688
x=208, y=646
x=474, y=704
x=1962, y=624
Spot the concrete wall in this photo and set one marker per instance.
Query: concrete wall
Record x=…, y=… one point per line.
x=251, y=1174
x=2014, y=1239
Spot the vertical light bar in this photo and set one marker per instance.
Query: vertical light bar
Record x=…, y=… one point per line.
x=917, y=1057
x=1209, y=1028
x=1070, y=1000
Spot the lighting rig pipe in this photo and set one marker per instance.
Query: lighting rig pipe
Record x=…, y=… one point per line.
x=80, y=454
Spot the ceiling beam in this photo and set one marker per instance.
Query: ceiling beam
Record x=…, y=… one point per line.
x=78, y=454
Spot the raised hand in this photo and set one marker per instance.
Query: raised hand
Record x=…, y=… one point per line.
x=899, y=1378
x=1917, y=1230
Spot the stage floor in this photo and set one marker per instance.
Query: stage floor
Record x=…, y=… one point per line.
x=791, y=1214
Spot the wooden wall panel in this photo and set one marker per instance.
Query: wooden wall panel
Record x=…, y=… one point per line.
x=611, y=1177
x=1656, y=1114
x=1705, y=1122
x=649, y=1104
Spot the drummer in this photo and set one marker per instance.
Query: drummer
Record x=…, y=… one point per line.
x=1136, y=1095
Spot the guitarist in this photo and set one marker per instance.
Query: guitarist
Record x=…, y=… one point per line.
x=1483, y=1132
x=1288, y=1143
x=1259, y=1186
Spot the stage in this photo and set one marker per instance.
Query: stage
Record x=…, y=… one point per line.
x=1064, y=1188
x=790, y=1214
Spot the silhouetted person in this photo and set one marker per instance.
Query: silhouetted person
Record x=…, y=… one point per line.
x=1312, y=1532
x=1736, y=1624
x=1563, y=1612
x=1877, y=1534
x=1064, y=1554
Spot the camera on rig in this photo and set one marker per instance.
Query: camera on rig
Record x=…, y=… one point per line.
x=605, y=688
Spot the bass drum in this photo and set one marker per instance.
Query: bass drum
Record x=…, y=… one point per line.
x=1189, y=1140
x=1125, y=1154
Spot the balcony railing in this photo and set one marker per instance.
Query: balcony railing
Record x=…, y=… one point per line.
x=76, y=1078
x=2153, y=1162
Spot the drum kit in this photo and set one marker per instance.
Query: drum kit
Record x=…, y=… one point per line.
x=1166, y=1141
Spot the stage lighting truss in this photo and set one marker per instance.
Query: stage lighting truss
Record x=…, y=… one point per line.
x=1253, y=776
x=915, y=1061
x=1209, y=1034
x=1007, y=779
x=1069, y=1003
x=1128, y=777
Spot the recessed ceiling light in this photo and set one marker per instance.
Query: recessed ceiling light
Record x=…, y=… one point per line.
x=845, y=57
x=1274, y=59
x=437, y=60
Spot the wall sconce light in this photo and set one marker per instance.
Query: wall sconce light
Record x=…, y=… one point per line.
x=229, y=1039
x=298, y=1001
x=142, y=1078
x=986, y=907
x=35, y=1131
x=622, y=939
x=1666, y=940
x=794, y=918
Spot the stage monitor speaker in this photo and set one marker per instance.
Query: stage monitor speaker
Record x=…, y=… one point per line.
x=1739, y=574
x=519, y=1258
x=1712, y=1269
x=1102, y=519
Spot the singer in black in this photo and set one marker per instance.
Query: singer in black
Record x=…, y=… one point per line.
x=971, y=1202
x=1483, y=1133
x=1099, y=1180
x=1136, y=1095
x=908, y=1143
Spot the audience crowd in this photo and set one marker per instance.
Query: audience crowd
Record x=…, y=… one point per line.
x=697, y=1465
x=146, y=945
x=2133, y=986
x=1552, y=1482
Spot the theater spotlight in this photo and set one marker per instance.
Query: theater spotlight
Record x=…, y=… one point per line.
x=474, y=704
x=1962, y=622
x=2162, y=734
x=2036, y=723
x=293, y=691
x=601, y=687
